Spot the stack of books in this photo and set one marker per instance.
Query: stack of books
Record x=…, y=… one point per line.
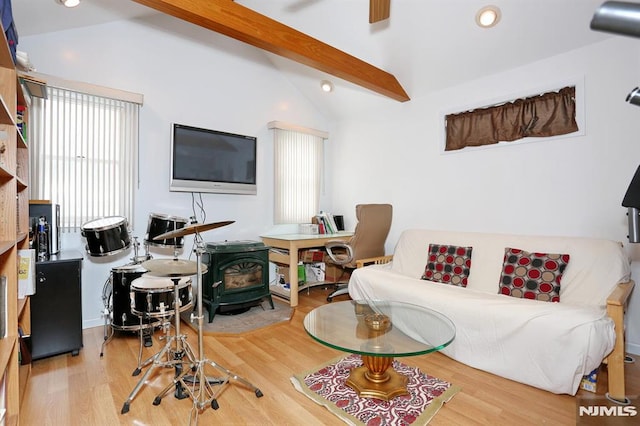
x=326, y=223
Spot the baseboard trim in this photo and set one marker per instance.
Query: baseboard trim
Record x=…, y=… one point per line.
x=633, y=348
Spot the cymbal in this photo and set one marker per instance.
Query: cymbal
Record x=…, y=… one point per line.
x=194, y=228
x=172, y=267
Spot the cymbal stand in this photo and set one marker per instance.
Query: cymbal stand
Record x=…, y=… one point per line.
x=182, y=354
x=198, y=386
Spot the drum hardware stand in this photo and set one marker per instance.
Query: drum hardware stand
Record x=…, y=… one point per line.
x=198, y=386
x=182, y=351
x=139, y=259
x=166, y=325
x=107, y=314
x=146, y=333
x=108, y=331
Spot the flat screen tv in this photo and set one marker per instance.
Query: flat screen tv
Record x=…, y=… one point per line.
x=205, y=160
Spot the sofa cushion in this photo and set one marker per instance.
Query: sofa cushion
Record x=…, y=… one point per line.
x=532, y=275
x=448, y=264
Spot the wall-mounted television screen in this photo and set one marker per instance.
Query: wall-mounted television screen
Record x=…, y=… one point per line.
x=205, y=160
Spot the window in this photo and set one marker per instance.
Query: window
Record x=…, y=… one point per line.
x=549, y=114
x=84, y=154
x=298, y=166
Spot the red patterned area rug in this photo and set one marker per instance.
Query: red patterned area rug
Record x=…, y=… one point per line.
x=326, y=386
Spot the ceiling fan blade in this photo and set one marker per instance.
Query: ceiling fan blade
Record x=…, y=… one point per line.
x=379, y=10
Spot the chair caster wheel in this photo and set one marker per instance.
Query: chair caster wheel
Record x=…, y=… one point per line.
x=329, y=299
x=125, y=408
x=214, y=404
x=157, y=400
x=259, y=393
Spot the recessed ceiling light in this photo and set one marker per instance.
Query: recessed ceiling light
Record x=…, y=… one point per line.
x=69, y=3
x=326, y=86
x=488, y=16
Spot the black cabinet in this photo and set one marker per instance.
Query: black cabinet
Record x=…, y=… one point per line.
x=56, y=307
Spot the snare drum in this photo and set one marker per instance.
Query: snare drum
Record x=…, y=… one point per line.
x=153, y=297
x=106, y=236
x=159, y=224
x=123, y=318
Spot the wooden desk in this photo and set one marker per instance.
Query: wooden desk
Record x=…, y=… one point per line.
x=293, y=243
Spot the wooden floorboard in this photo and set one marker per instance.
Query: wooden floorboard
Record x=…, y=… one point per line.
x=90, y=390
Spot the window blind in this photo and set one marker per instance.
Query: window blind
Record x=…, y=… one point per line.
x=298, y=167
x=84, y=151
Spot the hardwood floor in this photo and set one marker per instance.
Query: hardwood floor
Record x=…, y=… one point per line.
x=90, y=390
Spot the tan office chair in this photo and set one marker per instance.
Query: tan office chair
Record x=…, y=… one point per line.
x=374, y=222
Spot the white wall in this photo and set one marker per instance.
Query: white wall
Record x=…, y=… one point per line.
x=571, y=186
x=194, y=77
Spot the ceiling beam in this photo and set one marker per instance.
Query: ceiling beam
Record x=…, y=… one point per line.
x=243, y=24
x=379, y=10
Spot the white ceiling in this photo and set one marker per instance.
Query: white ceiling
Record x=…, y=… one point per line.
x=43, y=16
x=426, y=44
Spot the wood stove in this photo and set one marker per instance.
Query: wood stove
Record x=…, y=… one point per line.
x=237, y=275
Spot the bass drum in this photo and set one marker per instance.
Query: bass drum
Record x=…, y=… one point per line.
x=123, y=318
x=106, y=236
x=153, y=296
x=159, y=224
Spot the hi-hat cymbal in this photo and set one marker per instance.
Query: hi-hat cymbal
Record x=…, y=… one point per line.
x=194, y=228
x=172, y=267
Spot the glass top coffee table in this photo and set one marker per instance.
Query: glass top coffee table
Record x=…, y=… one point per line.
x=379, y=331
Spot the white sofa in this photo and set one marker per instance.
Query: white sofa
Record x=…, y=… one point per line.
x=544, y=344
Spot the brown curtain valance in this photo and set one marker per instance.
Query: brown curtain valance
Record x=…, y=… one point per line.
x=549, y=114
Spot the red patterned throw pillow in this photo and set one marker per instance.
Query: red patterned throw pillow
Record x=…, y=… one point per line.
x=448, y=264
x=532, y=275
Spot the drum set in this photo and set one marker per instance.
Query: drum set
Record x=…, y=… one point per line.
x=109, y=236
x=148, y=293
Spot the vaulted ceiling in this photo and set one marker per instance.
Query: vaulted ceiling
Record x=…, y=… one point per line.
x=426, y=44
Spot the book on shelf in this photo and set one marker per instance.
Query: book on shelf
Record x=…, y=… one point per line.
x=26, y=273
x=3, y=398
x=24, y=355
x=3, y=306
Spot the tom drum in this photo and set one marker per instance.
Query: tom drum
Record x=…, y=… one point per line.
x=106, y=236
x=159, y=224
x=153, y=297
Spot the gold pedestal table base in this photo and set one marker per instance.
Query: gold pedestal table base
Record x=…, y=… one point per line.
x=377, y=379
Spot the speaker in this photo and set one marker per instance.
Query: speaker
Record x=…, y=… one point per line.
x=51, y=212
